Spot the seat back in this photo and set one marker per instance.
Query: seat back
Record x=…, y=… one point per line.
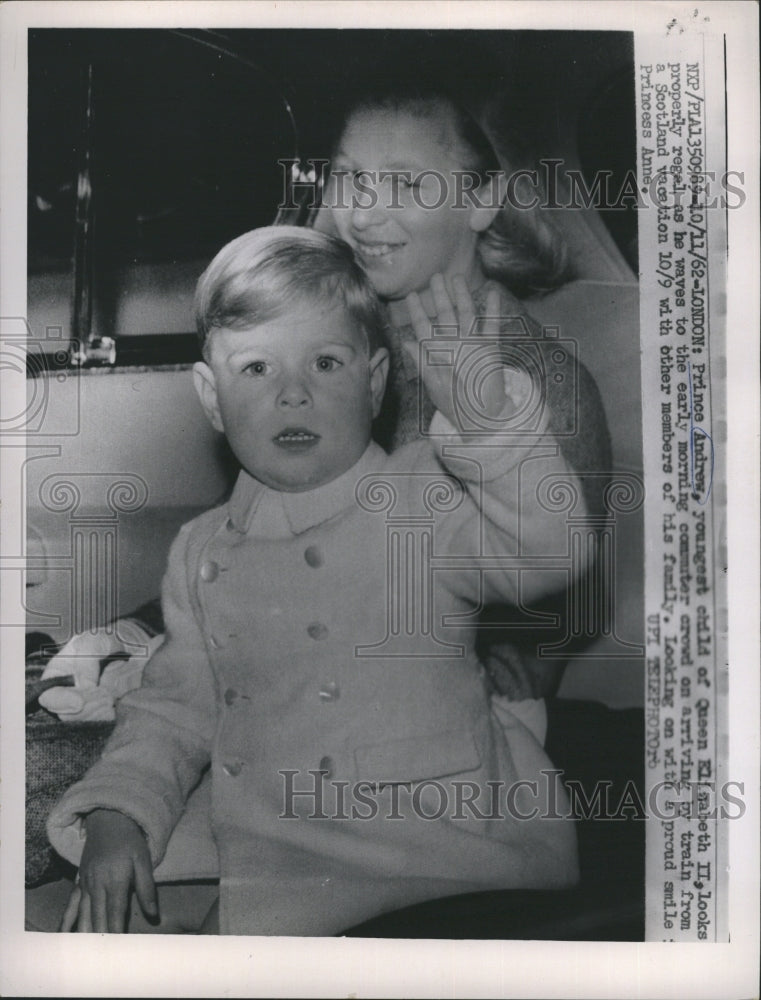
x=603, y=319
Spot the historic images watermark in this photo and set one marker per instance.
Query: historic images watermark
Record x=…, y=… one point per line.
x=314, y=184
x=314, y=795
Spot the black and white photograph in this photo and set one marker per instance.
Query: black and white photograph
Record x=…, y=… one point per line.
x=373, y=535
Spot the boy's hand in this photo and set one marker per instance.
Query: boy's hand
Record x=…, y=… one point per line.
x=475, y=383
x=115, y=860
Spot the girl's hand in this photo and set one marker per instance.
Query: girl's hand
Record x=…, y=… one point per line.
x=115, y=860
x=462, y=369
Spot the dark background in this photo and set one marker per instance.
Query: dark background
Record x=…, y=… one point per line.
x=188, y=126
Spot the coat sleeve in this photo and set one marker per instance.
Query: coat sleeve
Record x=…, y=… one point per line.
x=163, y=735
x=510, y=533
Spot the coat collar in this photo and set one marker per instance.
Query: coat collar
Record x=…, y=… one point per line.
x=301, y=510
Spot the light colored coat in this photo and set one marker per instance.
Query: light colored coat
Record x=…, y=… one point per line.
x=326, y=637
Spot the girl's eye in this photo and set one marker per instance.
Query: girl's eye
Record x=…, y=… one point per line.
x=341, y=177
x=327, y=364
x=256, y=368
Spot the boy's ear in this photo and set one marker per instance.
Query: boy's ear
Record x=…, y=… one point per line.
x=490, y=197
x=206, y=387
x=378, y=376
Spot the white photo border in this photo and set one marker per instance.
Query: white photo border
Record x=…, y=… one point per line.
x=39, y=965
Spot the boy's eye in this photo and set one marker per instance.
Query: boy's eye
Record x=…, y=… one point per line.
x=256, y=368
x=327, y=364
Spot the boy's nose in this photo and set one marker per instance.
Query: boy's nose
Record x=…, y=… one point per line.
x=294, y=393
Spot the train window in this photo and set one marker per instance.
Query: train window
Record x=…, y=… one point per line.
x=607, y=135
x=148, y=150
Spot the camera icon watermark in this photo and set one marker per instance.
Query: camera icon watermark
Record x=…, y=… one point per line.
x=40, y=361
x=543, y=365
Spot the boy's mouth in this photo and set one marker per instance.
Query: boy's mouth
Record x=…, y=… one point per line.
x=296, y=439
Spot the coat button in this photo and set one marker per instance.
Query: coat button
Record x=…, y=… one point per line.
x=317, y=630
x=326, y=766
x=209, y=571
x=313, y=556
x=330, y=691
x=233, y=768
x=231, y=696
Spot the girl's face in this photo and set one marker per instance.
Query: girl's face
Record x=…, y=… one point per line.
x=390, y=165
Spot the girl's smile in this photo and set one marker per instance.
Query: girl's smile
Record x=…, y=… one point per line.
x=400, y=241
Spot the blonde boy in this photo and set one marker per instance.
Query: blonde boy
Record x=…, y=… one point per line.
x=316, y=663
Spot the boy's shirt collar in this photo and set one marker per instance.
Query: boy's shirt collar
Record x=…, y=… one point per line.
x=301, y=511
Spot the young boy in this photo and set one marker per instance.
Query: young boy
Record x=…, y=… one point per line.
x=320, y=642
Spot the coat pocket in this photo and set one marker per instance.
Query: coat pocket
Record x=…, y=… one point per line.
x=428, y=756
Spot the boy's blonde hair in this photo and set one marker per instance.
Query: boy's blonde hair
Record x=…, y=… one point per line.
x=259, y=275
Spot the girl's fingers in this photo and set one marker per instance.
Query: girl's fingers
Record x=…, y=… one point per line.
x=461, y=314
x=411, y=347
x=490, y=326
x=69, y=918
x=466, y=311
x=421, y=324
x=445, y=311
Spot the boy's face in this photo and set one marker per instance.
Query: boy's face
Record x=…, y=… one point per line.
x=295, y=396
